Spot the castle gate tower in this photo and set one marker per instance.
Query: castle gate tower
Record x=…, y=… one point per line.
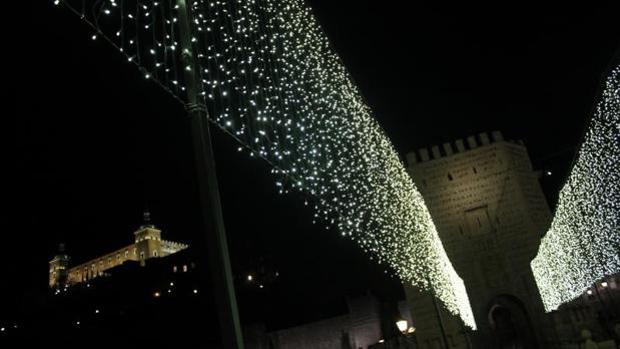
x=490, y=212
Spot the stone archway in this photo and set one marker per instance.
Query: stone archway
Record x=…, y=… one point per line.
x=510, y=324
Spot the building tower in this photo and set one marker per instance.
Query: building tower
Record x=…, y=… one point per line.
x=147, y=240
x=490, y=213
x=59, y=269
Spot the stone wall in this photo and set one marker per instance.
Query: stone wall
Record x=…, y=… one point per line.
x=490, y=212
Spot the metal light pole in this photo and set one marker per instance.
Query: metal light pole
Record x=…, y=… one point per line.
x=211, y=209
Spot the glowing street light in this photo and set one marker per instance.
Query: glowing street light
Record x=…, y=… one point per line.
x=402, y=326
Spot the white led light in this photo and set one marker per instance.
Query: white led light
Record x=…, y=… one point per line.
x=273, y=81
x=582, y=244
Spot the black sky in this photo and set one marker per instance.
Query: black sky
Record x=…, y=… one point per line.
x=92, y=143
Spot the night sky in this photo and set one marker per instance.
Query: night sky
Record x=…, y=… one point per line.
x=92, y=143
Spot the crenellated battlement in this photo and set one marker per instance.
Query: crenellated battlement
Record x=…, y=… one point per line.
x=458, y=146
x=148, y=244
x=177, y=246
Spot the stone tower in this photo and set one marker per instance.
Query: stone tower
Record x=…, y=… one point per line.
x=490, y=212
x=147, y=240
x=59, y=268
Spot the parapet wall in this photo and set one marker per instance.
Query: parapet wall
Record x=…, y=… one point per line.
x=450, y=148
x=171, y=247
x=174, y=245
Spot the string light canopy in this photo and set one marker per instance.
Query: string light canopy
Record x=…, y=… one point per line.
x=269, y=79
x=582, y=245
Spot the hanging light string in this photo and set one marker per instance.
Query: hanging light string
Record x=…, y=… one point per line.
x=271, y=80
x=582, y=245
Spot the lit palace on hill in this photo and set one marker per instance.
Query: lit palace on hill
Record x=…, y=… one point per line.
x=148, y=244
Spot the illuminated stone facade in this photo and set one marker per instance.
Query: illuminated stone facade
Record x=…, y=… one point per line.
x=147, y=244
x=490, y=212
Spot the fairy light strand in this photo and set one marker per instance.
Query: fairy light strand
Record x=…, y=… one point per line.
x=271, y=80
x=582, y=245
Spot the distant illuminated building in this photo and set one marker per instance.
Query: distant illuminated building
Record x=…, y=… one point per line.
x=490, y=212
x=148, y=244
